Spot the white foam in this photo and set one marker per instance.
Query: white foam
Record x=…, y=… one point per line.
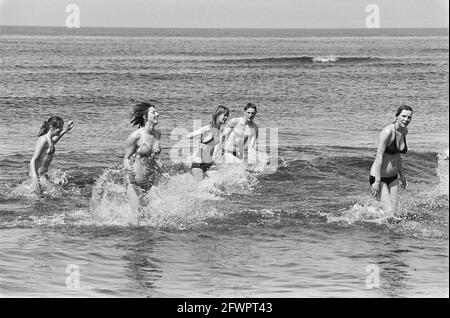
x=325, y=59
x=51, y=187
x=369, y=210
x=177, y=201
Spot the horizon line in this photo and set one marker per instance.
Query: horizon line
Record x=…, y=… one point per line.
x=224, y=28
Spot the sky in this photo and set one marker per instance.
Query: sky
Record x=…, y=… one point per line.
x=228, y=13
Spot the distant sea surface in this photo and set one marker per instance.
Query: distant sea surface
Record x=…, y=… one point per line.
x=306, y=228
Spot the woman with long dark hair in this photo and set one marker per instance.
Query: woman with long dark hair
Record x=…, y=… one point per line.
x=209, y=142
x=387, y=167
x=142, y=150
x=50, y=133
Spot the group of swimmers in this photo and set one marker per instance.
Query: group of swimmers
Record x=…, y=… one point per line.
x=228, y=137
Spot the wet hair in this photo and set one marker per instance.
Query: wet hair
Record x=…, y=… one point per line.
x=53, y=122
x=219, y=111
x=139, y=114
x=402, y=108
x=250, y=105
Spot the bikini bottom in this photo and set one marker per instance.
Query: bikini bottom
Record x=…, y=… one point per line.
x=387, y=180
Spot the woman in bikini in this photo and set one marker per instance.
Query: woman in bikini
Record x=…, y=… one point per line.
x=141, y=159
x=50, y=133
x=387, y=166
x=209, y=142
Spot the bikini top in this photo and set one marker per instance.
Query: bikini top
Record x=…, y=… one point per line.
x=208, y=141
x=392, y=149
x=145, y=150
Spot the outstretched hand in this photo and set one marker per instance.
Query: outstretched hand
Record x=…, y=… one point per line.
x=70, y=125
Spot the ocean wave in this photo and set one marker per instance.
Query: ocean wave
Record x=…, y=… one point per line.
x=298, y=60
x=353, y=162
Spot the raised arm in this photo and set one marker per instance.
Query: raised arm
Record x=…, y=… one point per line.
x=69, y=127
x=198, y=132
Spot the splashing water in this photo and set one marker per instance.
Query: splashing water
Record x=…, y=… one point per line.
x=54, y=185
x=174, y=202
x=422, y=211
x=110, y=204
x=367, y=210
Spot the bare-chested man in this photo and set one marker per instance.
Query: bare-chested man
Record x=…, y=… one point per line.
x=236, y=134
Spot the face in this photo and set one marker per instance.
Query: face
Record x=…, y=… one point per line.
x=56, y=131
x=152, y=115
x=222, y=119
x=404, y=118
x=250, y=114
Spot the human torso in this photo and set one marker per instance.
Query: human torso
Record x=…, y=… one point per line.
x=209, y=139
x=146, y=153
x=391, y=156
x=46, y=157
x=239, y=135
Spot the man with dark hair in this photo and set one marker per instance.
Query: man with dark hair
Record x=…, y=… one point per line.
x=236, y=134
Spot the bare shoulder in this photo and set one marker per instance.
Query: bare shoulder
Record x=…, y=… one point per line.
x=387, y=130
x=41, y=146
x=385, y=135
x=233, y=122
x=42, y=142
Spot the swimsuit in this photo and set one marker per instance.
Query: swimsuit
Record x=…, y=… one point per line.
x=147, y=157
x=204, y=165
x=141, y=152
x=207, y=142
x=386, y=180
x=392, y=149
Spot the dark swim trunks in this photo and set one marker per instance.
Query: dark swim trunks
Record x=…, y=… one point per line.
x=204, y=166
x=386, y=180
